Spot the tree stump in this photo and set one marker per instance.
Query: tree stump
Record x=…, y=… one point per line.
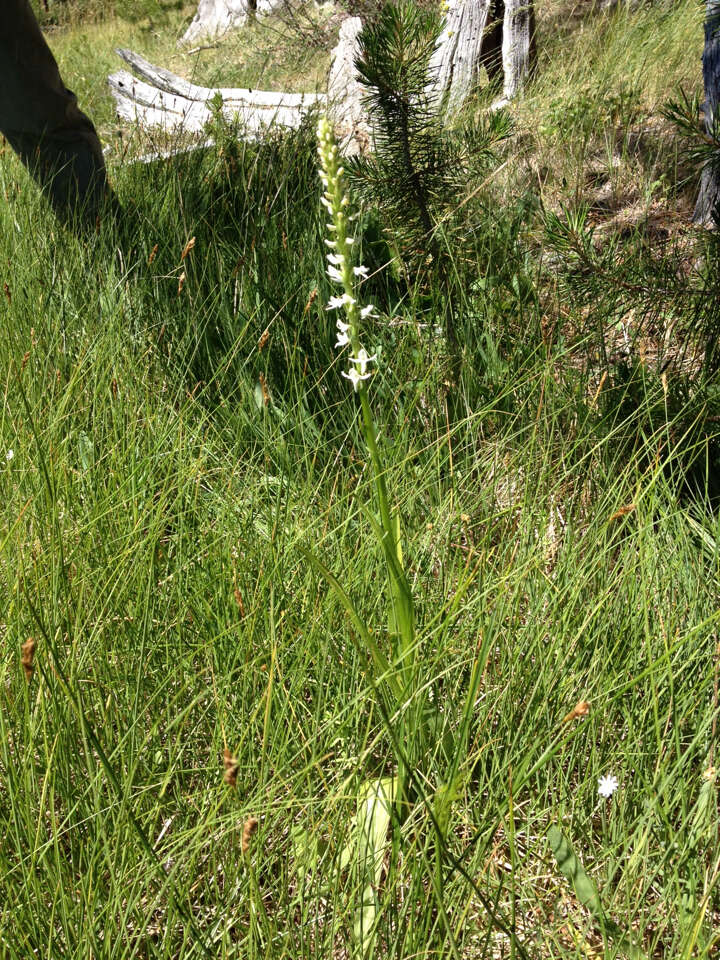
x=477, y=34
x=345, y=93
x=216, y=17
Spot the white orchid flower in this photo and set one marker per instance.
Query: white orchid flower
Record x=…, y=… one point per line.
x=354, y=377
x=363, y=359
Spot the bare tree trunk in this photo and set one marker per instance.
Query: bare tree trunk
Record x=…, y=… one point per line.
x=518, y=45
x=456, y=62
x=483, y=33
x=709, y=197
x=345, y=93
x=216, y=17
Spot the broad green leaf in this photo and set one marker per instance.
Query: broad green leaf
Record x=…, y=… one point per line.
x=573, y=870
x=373, y=820
x=86, y=450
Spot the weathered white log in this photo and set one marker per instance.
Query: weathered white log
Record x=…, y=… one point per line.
x=169, y=82
x=163, y=100
x=345, y=93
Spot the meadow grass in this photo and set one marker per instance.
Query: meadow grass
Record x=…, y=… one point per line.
x=184, y=447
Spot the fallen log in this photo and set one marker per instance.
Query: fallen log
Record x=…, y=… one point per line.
x=163, y=100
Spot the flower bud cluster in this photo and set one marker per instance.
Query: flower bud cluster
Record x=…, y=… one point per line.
x=340, y=268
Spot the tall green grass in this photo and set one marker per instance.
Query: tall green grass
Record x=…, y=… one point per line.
x=178, y=449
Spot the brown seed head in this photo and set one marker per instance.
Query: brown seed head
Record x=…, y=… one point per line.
x=249, y=831
x=181, y=282
x=264, y=337
x=239, y=601
x=311, y=300
x=581, y=709
x=187, y=248
x=27, y=658
x=265, y=391
x=153, y=254
x=622, y=512
x=231, y=768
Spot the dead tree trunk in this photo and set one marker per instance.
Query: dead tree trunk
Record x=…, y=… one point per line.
x=216, y=17
x=483, y=33
x=709, y=196
x=455, y=65
x=518, y=45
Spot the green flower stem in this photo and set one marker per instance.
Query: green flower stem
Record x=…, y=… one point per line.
x=401, y=619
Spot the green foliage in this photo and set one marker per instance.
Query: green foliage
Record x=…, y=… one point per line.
x=632, y=291
x=701, y=140
x=580, y=116
x=418, y=171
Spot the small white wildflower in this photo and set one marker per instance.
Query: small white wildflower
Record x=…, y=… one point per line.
x=342, y=327
x=326, y=203
x=354, y=377
x=360, y=271
x=607, y=786
x=363, y=359
x=349, y=241
x=335, y=303
x=343, y=340
x=368, y=311
x=337, y=259
x=9, y=455
x=334, y=274
x=331, y=243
